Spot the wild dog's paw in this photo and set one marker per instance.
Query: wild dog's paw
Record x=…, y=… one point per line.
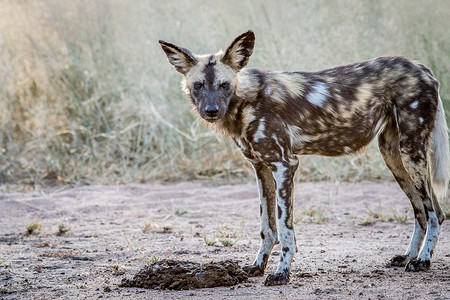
x=417, y=265
x=398, y=261
x=253, y=270
x=277, y=279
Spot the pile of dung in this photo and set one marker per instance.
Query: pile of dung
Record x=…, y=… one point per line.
x=185, y=275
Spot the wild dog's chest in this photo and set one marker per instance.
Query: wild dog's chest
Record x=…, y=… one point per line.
x=247, y=150
x=267, y=152
x=265, y=140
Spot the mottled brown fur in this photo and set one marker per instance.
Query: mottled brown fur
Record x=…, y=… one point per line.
x=274, y=116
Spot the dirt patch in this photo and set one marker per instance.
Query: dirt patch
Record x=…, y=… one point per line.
x=346, y=233
x=62, y=254
x=187, y=275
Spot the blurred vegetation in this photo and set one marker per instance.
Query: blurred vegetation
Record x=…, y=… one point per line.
x=87, y=95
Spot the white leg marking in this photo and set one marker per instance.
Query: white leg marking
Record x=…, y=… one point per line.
x=259, y=134
x=319, y=94
x=416, y=241
x=431, y=237
x=379, y=125
x=278, y=143
x=287, y=240
x=278, y=175
x=285, y=234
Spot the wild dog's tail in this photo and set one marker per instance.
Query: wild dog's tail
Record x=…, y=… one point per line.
x=440, y=156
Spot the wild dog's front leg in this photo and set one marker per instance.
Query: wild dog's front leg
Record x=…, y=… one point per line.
x=266, y=186
x=283, y=173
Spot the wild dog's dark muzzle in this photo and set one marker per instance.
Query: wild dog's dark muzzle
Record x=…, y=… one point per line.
x=212, y=107
x=212, y=110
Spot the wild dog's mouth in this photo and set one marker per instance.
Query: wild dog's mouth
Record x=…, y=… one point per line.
x=211, y=120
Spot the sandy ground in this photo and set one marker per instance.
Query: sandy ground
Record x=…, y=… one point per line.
x=338, y=258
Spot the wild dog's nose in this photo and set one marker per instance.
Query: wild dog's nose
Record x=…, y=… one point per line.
x=212, y=110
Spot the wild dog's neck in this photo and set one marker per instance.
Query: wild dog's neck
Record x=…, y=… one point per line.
x=236, y=119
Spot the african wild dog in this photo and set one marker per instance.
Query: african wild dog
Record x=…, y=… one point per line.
x=273, y=116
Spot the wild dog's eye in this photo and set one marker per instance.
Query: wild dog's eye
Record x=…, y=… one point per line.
x=224, y=85
x=198, y=85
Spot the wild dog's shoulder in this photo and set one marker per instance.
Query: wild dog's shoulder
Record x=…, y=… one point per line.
x=250, y=83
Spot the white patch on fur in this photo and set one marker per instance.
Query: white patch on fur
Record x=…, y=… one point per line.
x=378, y=126
x=421, y=120
x=276, y=141
x=396, y=117
x=296, y=136
x=241, y=145
x=431, y=237
x=348, y=150
x=319, y=94
x=259, y=134
x=268, y=91
x=414, y=104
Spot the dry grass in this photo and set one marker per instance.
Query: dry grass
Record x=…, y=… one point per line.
x=33, y=226
x=374, y=216
x=153, y=260
x=134, y=245
x=150, y=226
x=223, y=235
x=209, y=242
x=180, y=212
x=63, y=228
x=2, y=261
x=87, y=95
x=311, y=215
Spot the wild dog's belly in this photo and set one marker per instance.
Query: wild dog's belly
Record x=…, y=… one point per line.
x=336, y=141
x=330, y=146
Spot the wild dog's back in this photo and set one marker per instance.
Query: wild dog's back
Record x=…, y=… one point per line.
x=340, y=110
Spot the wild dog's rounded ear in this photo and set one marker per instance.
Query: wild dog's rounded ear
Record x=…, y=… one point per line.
x=182, y=59
x=238, y=53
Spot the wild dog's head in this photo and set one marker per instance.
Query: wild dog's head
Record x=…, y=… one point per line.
x=211, y=80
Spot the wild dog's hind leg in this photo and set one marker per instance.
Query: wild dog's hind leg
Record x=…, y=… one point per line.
x=283, y=172
x=417, y=167
x=414, y=139
x=388, y=141
x=266, y=186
